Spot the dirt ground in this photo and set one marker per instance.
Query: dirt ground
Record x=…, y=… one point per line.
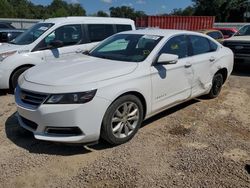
x=202, y=143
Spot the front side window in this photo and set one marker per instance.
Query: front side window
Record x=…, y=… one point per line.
x=68, y=35
x=99, y=32
x=126, y=47
x=200, y=45
x=245, y=30
x=32, y=34
x=177, y=45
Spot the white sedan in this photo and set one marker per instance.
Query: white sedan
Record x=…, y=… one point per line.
x=126, y=79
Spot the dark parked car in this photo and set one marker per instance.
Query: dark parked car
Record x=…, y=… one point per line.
x=215, y=34
x=7, y=35
x=227, y=32
x=239, y=43
x=6, y=25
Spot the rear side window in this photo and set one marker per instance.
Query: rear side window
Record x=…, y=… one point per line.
x=215, y=35
x=99, y=32
x=121, y=28
x=200, y=45
x=213, y=46
x=177, y=45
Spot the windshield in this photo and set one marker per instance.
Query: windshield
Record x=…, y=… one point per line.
x=126, y=47
x=245, y=30
x=32, y=34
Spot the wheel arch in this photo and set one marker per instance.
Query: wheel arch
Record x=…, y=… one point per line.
x=16, y=69
x=139, y=96
x=224, y=73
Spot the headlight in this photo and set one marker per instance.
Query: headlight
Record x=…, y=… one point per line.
x=6, y=54
x=71, y=98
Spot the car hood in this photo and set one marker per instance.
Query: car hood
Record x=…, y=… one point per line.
x=77, y=71
x=239, y=38
x=6, y=47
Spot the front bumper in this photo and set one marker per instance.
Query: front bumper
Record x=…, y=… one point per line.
x=87, y=117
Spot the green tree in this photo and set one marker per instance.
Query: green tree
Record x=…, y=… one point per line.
x=6, y=9
x=125, y=12
x=219, y=8
x=101, y=13
x=76, y=10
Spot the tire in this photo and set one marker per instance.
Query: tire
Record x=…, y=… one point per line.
x=122, y=120
x=15, y=76
x=217, y=86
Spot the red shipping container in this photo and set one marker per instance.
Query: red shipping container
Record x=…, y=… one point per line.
x=177, y=22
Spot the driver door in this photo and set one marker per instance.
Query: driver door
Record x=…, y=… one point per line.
x=71, y=37
x=171, y=83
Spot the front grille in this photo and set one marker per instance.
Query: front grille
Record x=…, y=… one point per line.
x=34, y=99
x=32, y=125
x=238, y=47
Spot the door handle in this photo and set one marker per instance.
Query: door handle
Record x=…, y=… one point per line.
x=212, y=59
x=78, y=51
x=187, y=65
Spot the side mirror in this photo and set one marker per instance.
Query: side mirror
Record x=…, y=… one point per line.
x=56, y=44
x=167, y=59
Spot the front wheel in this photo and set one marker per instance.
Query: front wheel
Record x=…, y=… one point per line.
x=122, y=120
x=217, y=86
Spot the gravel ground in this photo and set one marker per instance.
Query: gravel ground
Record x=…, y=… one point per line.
x=201, y=143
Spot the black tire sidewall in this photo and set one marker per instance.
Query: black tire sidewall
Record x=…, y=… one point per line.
x=212, y=94
x=15, y=76
x=106, y=131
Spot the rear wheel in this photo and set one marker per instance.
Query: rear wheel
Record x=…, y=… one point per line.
x=217, y=85
x=15, y=76
x=122, y=120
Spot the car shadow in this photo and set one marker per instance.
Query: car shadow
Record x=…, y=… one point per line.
x=5, y=92
x=241, y=68
x=169, y=112
x=26, y=140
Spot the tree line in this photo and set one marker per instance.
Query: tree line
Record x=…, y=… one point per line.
x=224, y=10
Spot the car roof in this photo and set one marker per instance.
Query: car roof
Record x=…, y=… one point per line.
x=159, y=32
x=86, y=19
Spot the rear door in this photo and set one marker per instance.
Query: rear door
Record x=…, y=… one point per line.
x=204, y=55
x=72, y=38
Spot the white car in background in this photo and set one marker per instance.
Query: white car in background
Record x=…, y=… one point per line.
x=127, y=78
x=52, y=39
